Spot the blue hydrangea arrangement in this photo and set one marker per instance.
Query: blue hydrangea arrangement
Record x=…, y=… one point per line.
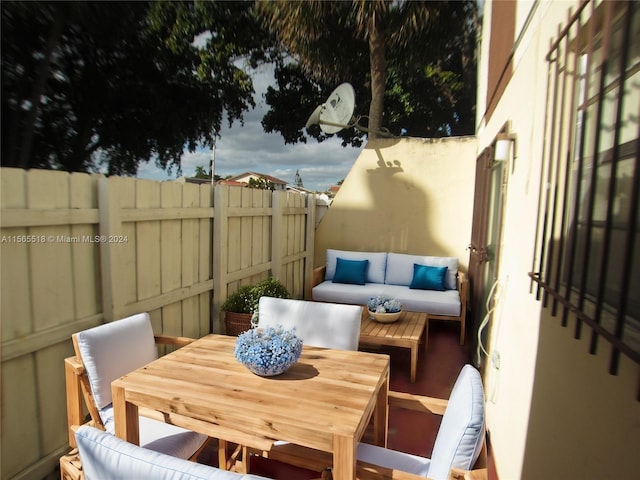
x=382, y=304
x=268, y=351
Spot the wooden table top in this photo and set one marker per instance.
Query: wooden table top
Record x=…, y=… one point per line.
x=326, y=393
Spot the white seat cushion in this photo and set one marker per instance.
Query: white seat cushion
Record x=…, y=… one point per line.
x=393, y=459
x=435, y=302
x=431, y=301
x=328, y=325
x=105, y=457
x=114, y=349
x=328, y=291
x=159, y=436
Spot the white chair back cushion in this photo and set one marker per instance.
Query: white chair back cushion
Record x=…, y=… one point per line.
x=105, y=457
x=377, y=263
x=329, y=325
x=114, y=349
x=461, y=432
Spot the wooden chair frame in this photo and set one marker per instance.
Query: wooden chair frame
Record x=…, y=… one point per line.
x=319, y=461
x=78, y=391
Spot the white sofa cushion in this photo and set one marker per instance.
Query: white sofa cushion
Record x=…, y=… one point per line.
x=430, y=301
x=400, y=268
x=114, y=349
x=328, y=325
x=105, y=457
x=377, y=263
x=435, y=302
x=341, y=293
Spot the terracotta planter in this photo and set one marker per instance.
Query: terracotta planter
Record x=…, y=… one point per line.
x=236, y=323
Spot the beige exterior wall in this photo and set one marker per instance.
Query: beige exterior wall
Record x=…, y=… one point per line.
x=409, y=196
x=553, y=411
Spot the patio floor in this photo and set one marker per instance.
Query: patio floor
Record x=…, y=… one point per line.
x=410, y=432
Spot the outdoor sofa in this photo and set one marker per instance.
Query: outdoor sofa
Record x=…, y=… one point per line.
x=429, y=284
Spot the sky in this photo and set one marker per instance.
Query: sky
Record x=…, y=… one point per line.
x=249, y=148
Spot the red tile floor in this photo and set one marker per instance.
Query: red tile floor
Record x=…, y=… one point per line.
x=411, y=432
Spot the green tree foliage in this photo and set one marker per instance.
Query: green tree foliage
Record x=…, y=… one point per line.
x=412, y=65
x=261, y=183
x=117, y=83
x=298, y=179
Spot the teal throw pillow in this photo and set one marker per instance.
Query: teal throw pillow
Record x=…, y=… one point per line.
x=351, y=271
x=428, y=278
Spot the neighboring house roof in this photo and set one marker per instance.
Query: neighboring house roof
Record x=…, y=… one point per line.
x=244, y=177
x=333, y=189
x=233, y=183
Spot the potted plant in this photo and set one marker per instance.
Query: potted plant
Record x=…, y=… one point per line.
x=243, y=303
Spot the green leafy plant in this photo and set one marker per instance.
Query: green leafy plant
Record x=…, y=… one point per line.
x=246, y=298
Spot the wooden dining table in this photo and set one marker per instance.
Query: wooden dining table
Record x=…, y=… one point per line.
x=325, y=401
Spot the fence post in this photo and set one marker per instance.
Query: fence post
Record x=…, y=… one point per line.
x=309, y=245
x=220, y=253
x=276, y=230
x=109, y=219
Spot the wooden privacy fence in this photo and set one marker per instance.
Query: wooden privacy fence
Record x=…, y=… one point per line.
x=79, y=250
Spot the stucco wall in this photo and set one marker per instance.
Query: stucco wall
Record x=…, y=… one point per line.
x=553, y=411
x=404, y=195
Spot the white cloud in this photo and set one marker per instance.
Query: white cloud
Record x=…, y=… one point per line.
x=249, y=148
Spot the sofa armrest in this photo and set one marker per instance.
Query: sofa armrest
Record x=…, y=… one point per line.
x=318, y=275
x=463, y=288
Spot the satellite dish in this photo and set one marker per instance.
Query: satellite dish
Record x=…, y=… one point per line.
x=335, y=114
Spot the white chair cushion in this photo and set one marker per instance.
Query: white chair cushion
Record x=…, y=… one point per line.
x=459, y=439
x=114, y=349
x=159, y=436
x=393, y=459
x=105, y=457
x=328, y=325
x=377, y=263
x=461, y=432
x=400, y=268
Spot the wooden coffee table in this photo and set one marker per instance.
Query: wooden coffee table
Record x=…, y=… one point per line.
x=407, y=332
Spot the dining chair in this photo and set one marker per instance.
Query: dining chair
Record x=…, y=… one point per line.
x=105, y=457
x=459, y=445
x=319, y=324
x=107, y=352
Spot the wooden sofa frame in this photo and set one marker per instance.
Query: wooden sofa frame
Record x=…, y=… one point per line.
x=463, y=289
